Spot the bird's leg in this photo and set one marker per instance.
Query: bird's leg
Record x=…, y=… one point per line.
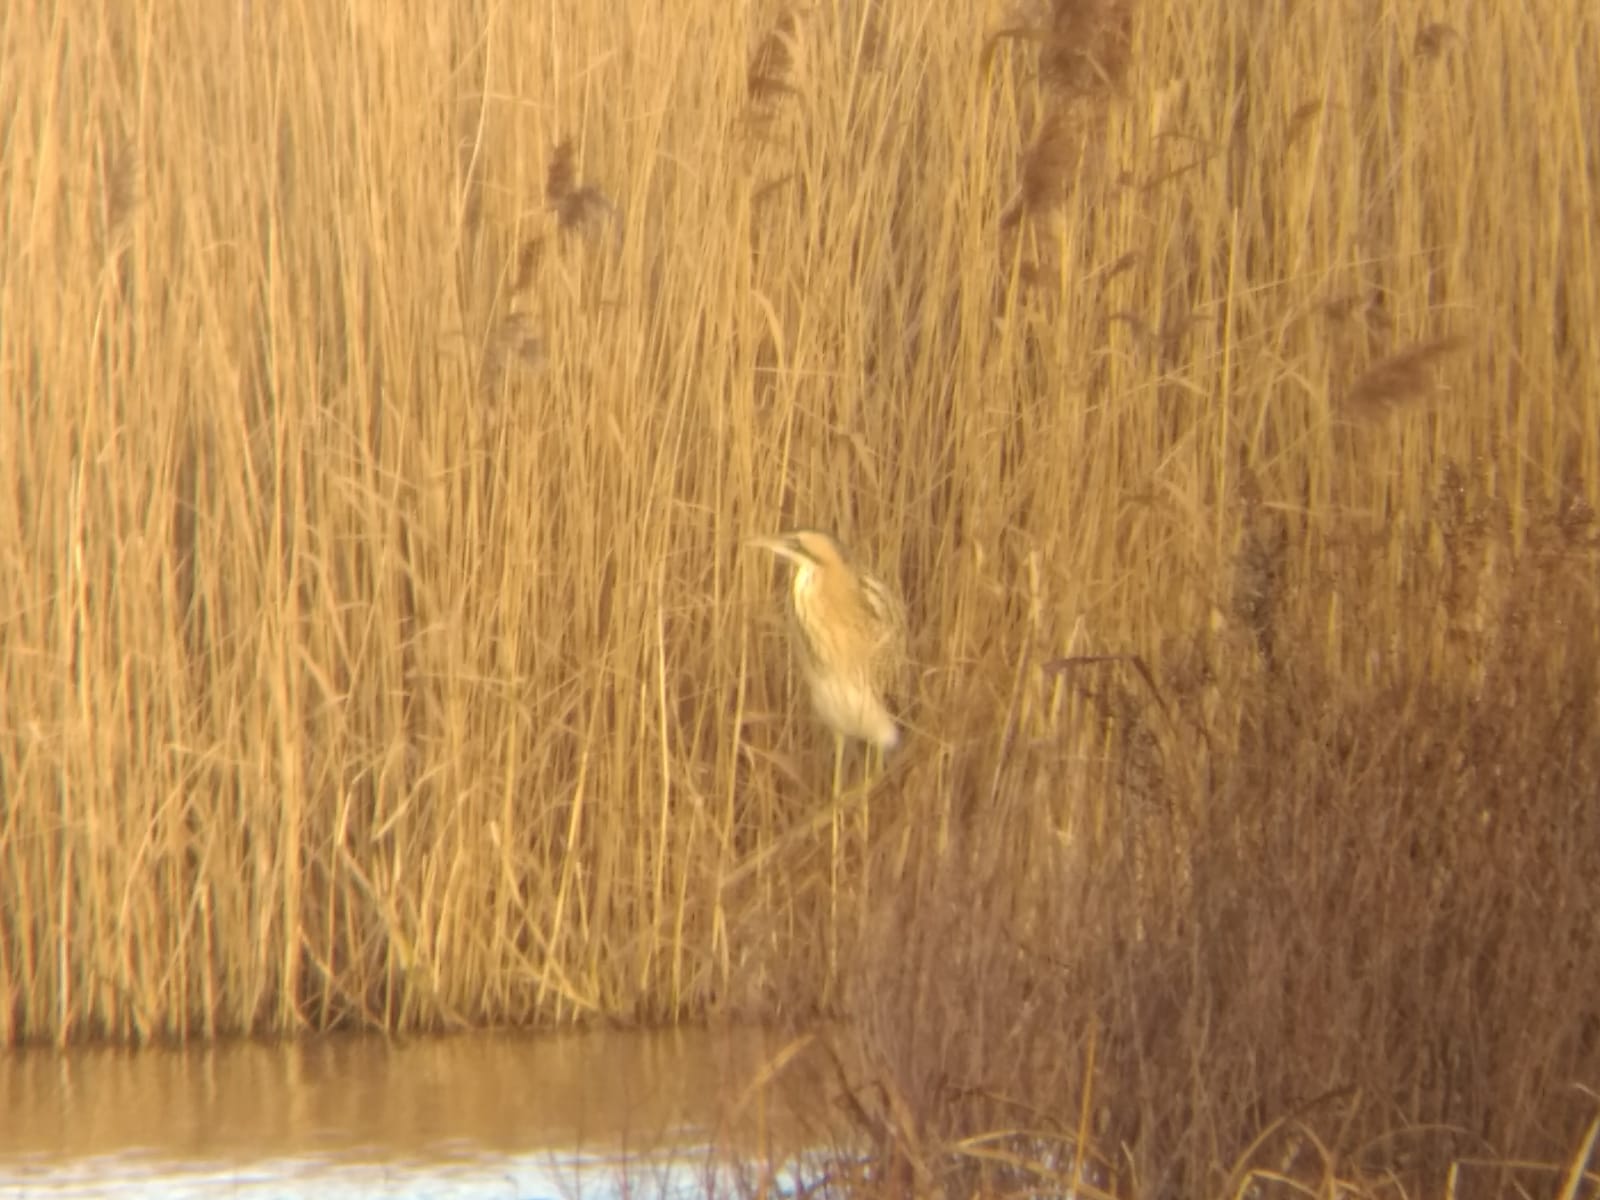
x=833, y=863
x=872, y=761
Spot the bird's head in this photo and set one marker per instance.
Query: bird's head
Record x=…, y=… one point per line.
x=805, y=548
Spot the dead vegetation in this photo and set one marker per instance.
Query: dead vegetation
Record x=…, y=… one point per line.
x=1332, y=933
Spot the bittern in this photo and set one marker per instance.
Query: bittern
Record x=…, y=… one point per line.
x=848, y=631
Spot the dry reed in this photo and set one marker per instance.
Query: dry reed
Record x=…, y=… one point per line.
x=324, y=706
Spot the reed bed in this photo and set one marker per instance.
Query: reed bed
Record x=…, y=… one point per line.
x=389, y=390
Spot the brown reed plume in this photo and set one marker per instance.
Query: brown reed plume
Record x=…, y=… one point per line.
x=1087, y=49
x=1084, y=47
x=119, y=192
x=529, y=256
x=772, y=64
x=1045, y=168
x=1434, y=39
x=577, y=206
x=1397, y=380
x=1083, y=56
x=514, y=341
x=1300, y=121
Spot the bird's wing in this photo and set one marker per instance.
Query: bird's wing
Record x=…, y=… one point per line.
x=888, y=619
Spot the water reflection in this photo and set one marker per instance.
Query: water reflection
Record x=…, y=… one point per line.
x=586, y=1114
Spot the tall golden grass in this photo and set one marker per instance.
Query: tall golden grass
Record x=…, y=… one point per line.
x=389, y=388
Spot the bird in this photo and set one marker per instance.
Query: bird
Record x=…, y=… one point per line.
x=848, y=630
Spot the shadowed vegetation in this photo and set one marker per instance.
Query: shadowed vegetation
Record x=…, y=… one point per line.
x=389, y=390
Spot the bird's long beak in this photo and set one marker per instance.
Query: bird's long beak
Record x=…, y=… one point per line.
x=783, y=545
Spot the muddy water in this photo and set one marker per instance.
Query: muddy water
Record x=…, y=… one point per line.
x=594, y=1114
